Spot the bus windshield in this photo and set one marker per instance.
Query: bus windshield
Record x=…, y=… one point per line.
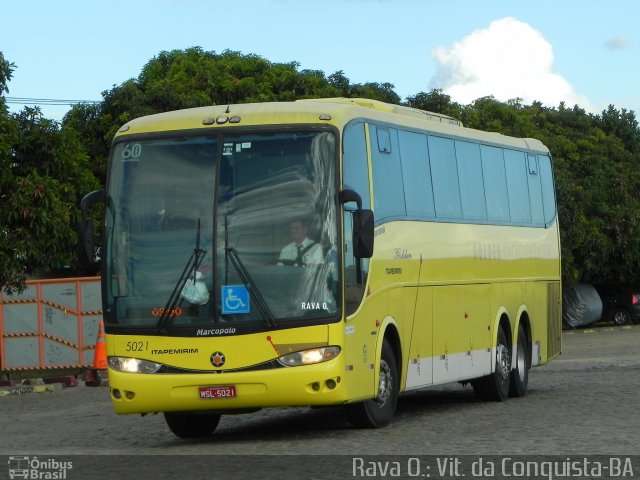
x=235, y=230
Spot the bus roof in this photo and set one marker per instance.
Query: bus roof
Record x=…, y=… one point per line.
x=332, y=111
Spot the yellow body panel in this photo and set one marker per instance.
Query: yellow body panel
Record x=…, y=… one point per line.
x=465, y=276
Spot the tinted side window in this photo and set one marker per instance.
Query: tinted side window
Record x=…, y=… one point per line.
x=416, y=173
x=548, y=193
x=444, y=170
x=387, y=174
x=470, y=177
x=495, y=183
x=356, y=177
x=535, y=190
x=517, y=187
x=356, y=171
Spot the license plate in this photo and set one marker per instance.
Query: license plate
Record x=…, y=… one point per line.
x=219, y=392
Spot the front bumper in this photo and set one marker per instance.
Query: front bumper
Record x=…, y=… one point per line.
x=319, y=384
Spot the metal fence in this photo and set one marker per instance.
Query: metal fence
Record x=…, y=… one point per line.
x=51, y=324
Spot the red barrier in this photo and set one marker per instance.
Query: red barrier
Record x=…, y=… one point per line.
x=52, y=324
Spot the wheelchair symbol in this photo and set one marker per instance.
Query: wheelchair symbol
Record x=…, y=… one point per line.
x=235, y=299
x=232, y=302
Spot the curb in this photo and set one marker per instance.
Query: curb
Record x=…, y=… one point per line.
x=600, y=329
x=25, y=389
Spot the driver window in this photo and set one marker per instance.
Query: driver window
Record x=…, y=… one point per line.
x=356, y=177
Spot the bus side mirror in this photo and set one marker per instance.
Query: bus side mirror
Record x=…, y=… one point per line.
x=363, y=233
x=86, y=246
x=362, y=225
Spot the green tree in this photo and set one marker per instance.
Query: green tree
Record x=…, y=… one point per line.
x=95, y=133
x=8, y=135
x=43, y=174
x=435, y=101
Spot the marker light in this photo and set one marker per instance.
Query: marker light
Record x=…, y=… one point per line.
x=309, y=357
x=133, y=365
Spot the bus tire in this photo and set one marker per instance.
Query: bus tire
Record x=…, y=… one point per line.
x=191, y=425
x=520, y=374
x=495, y=386
x=378, y=412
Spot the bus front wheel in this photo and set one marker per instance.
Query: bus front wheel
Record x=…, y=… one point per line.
x=379, y=412
x=496, y=386
x=191, y=425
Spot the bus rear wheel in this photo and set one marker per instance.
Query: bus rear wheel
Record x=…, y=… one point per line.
x=520, y=374
x=191, y=425
x=379, y=412
x=496, y=386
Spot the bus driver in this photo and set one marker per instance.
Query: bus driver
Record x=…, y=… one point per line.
x=302, y=251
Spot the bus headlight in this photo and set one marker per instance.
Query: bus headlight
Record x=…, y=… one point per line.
x=309, y=357
x=133, y=365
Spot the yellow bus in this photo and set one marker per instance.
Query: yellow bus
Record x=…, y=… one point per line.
x=322, y=252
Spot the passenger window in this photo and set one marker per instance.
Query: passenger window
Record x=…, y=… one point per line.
x=444, y=171
x=470, y=179
x=387, y=179
x=517, y=186
x=495, y=183
x=416, y=172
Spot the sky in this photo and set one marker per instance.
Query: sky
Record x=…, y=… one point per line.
x=582, y=52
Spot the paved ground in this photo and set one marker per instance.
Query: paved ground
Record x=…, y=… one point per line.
x=584, y=403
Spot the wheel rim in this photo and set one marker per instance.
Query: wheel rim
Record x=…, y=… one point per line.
x=385, y=384
x=502, y=362
x=620, y=317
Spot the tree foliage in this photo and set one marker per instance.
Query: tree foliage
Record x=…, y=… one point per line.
x=44, y=172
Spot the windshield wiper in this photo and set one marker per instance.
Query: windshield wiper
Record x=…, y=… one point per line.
x=192, y=266
x=248, y=281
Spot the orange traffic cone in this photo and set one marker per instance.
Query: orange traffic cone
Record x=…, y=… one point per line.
x=97, y=376
x=100, y=355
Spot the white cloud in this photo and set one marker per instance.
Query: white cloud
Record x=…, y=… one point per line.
x=509, y=59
